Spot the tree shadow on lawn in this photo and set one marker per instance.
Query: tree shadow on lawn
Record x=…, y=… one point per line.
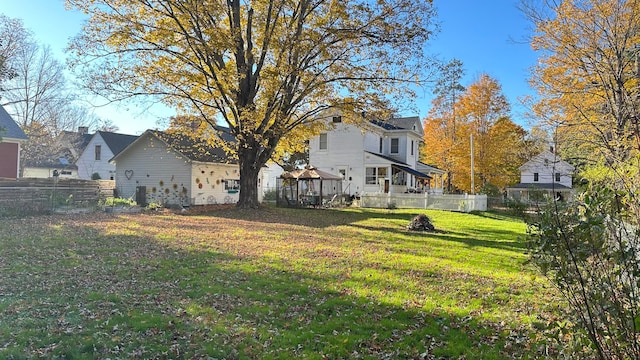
x=136, y=297
x=490, y=239
x=317, y=218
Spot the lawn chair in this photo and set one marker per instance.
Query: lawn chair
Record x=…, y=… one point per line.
x=330, y=203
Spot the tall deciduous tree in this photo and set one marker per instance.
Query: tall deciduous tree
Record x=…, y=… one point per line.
x=480, y=107
x=587, y=74
x=482, y=110
x=36, y=94
x=263, y=68
x=441, y=133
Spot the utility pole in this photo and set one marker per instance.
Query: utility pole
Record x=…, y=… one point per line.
x=473, y=185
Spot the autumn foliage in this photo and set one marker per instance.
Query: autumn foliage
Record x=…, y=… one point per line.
x=482, y=111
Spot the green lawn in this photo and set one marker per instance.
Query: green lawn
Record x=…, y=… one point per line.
x=269, y=284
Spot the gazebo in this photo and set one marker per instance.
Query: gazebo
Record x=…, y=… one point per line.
x=308, y=187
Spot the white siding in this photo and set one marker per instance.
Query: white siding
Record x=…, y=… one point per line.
x=88, y=165
x=345, y=151
x=44, y=173
x=546, y=165
x=165, y=173
x=208, y=184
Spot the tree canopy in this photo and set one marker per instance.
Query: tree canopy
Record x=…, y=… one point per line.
x=266, y=69
x=588, y=76
x=482, y=111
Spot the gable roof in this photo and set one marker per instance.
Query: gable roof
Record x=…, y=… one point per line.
x=10, y=128
x=116, y=142
x=190, y=148
x=401, y=123
x=550, y=158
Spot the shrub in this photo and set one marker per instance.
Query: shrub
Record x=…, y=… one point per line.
x=95, y=176
x=591, y=250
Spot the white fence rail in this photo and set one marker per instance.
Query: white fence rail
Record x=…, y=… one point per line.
x=462, y=203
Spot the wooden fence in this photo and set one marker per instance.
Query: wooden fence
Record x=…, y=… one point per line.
x=34, y=196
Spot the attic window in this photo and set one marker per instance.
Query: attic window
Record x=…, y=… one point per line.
x=536, y=177
x=337, y=119
x=98, y=150
x=557, y=177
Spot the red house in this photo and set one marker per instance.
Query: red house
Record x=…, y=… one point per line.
x=11, y=136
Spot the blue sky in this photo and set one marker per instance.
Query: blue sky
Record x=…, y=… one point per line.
x=487, y=36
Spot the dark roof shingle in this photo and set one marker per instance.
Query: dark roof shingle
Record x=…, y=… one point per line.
x=117, y=142
x=9, y=128
x=199, y=150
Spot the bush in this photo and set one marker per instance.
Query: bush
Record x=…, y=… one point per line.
x=517, y=207
x=95, y=176
x=591, y=250
x=118, y=202
x=269, y=195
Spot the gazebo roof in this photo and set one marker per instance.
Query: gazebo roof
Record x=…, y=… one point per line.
x=310, y=172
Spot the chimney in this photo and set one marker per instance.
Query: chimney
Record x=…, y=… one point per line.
x=83, y=130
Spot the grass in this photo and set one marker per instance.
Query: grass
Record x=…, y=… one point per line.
x=269, y=284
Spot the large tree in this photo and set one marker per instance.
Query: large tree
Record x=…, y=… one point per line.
x=440, y=131
x=37, y=95
x=263, y=68
x=482, y=111
x=587, y=75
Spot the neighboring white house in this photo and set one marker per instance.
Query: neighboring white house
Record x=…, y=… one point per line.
x=378, y=157
x=59, y=157
x=173, y=169
x=545, y=173
x=95, y=157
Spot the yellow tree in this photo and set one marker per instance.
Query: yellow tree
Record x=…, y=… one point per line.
x=438, y=139
x=480, y=107
x=263, y=68
x=441, y=123
x=587, y=75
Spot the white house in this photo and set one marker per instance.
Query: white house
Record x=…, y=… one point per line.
x=545, y=173
x=377, y=157
x=58, y=157
x=173, y=169
x=95, y=157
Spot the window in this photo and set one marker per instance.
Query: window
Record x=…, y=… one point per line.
x=399, y=177
x=232, y=184
x=323, y=141
x=337, y=119
x=373, y=174
x=370, y=176
x=380, y=150
x=395, y=145
x=98, y=150
x=535, y=176
x=557, y=177
x=412, y=147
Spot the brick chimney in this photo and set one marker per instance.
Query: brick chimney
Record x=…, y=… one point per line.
x=83, y=130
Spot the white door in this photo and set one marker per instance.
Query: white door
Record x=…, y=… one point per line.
x=344, y=172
